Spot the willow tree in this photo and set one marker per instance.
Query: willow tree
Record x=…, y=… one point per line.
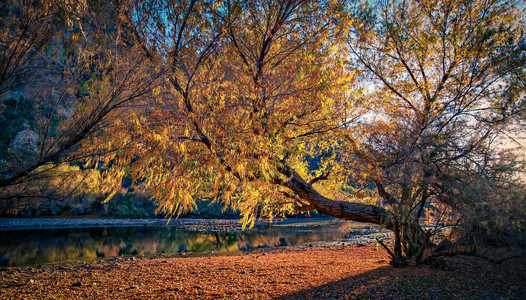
x=252, y=89
x=65, y=71
x=448, y=81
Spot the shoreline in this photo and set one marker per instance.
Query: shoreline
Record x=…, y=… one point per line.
x=14, y=224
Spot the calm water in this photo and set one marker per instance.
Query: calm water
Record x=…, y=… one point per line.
x=32, y=247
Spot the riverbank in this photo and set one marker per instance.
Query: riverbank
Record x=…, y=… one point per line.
x=228, y=225
x=346, y=272
x=52, y=241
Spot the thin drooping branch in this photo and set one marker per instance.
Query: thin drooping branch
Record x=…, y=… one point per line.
x=321, y=177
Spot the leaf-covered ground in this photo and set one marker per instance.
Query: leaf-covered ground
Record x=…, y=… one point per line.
x=285, y=273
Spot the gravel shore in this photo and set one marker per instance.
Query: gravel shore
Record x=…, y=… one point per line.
x=7, y=224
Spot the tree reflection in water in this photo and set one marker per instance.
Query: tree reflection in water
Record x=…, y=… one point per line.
x=31, y=247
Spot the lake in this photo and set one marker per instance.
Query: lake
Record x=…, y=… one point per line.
x=56, y=245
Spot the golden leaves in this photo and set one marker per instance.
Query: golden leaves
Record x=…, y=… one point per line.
x=224, y=121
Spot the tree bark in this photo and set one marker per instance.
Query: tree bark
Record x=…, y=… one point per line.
x=340, y=209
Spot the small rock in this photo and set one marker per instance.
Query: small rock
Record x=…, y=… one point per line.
x=243, y=272
x=31, y=281
x=77, y=284
x=310, y=245
x=264, y=254
x=133, y=287
x=164, y=261
x=25, y=140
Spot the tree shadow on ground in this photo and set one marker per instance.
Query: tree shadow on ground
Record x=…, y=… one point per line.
x=465, y=278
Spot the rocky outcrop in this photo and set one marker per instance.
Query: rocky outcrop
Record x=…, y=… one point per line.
x=25, y=140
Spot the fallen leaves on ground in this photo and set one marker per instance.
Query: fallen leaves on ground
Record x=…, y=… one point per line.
x=288, y=273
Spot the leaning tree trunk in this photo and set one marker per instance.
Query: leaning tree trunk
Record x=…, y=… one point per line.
x=353, y=212
x=340, y=209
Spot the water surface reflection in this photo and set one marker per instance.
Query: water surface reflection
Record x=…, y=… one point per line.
x=31, y=247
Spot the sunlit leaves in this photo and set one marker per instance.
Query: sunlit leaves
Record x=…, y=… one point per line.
x=250, y=84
